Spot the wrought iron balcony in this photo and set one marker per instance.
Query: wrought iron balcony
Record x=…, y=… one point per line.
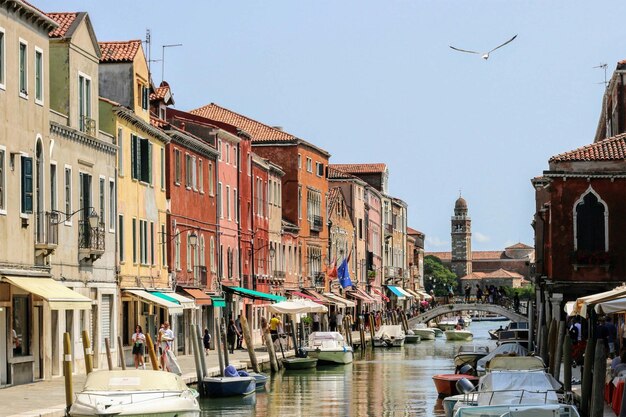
x=316, y=223
x=90, y=240
x=88, y=126
x=388, y=230
x=391, y=272
x=47, y=233
x=319, y=279
x=279, y=274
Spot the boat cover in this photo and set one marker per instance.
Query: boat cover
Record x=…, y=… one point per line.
x=134, y=380
x=517, y=363
x=517, y=387
x=503, y=349
x=548, y=410
x=231, y=372
x=325, y=336
x=394, y=331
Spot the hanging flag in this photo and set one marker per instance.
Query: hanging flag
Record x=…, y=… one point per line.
x=332, y=270
x=343, y=273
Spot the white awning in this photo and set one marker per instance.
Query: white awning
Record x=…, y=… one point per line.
x=172, y=308
x=56, y=294
x=186, y=302
x=341, y=302
x=581, y=303
x=424, y=295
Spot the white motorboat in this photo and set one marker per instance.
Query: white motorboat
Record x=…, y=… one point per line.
x=509, y=349
x=459, y=335
x=389, y=336
x=329, y=347
x=470, y=354
x=135, y=393
x=423, y=331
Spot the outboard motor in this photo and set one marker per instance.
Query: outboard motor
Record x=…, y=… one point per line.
x=464, y=386
x=467, y=369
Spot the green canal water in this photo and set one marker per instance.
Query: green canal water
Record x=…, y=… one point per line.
x=385, y=382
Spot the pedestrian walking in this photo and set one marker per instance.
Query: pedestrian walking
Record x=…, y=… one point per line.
x=231, y=336
x=316, y=322
x=206, y=341
x=139, y=343
x=239, y=332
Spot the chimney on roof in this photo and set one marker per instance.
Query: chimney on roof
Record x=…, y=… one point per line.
x=278, y=128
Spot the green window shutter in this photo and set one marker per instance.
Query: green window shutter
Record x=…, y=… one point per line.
x=133, y=156
x=149, y=179
x=138, y=158
x=27, y=184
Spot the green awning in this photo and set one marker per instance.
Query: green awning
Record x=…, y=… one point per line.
x=256, y=295
x=218, y=302
x=165, y=297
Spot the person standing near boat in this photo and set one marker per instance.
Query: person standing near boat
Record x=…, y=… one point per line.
x=316, y=322
x=166, y=336
x=139, y=343
x=231, y=335
x=339, y=321
x=206, y=341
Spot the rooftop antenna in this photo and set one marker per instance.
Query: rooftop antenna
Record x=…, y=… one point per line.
x=172, y=45
x=604, y=67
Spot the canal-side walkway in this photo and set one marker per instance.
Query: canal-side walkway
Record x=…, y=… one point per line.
x=47, y=398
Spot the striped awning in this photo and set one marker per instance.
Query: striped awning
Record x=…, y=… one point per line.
x=173, y=307
x=380, y=293
x=340, y=301
x=255, y=295
x=360, y=295
x=307, y=296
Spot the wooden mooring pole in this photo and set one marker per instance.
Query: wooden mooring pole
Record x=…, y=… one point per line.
x=88, y=352
x=120, y=349
x=152, y=353
x=67, y=370
x=247, y=337
x=107, y=345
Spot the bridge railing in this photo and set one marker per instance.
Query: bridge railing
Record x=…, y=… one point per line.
x=505, y=302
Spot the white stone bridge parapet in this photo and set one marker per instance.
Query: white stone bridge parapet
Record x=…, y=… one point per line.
x=446, y=309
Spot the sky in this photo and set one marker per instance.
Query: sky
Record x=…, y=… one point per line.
x=376, y=81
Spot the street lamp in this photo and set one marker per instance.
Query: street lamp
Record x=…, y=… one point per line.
x=193, y=239
x=93, y=217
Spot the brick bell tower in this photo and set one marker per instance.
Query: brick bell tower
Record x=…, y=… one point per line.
x=461, y=239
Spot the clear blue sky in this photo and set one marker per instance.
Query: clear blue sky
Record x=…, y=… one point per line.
x=376, y=82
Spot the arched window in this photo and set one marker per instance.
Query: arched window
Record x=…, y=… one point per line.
x=591, y=223
x=177, y=251
x=212, y=254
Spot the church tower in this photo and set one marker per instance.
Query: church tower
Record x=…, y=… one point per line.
x=461, y=239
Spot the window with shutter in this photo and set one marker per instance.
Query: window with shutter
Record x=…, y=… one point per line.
x=27, y=184
x=133, y=156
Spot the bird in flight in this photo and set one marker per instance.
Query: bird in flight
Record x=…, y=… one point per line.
x=484, y=55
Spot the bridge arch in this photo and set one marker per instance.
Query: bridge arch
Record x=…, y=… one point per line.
x=447, y=309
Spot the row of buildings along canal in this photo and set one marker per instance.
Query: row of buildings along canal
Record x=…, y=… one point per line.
x=116, y=209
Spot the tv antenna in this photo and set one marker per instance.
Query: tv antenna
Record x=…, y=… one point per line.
x=172, y=45
x=604, y=67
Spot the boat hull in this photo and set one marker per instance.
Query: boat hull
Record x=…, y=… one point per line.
x=469, y=358
x=412, y=338
x=446, y=383
x=260, y=380
x=424, y=334
x=341, y=357
x=229, y=386
x=458, y=335
x=299, y=363
x=158, y=407
x=395, y=342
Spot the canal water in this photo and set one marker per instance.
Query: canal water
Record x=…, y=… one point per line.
x=385, y=382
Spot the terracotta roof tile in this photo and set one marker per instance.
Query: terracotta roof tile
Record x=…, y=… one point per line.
x=360, y=168
x=65, y=21
x=258, y=131
x=122, y=51
x=335, y=174
x=519, y=245
x=156, y=122
x=159, y=93
x=478, y=255
x=610, y=149
x=411, y=231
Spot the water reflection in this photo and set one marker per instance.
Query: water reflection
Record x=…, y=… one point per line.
x=386, y=382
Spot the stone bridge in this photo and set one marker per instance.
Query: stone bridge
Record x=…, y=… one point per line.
x=447, y=309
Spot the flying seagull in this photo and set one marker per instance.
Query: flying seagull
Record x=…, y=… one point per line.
x=485, y=55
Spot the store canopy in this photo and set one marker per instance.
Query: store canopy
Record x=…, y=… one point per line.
x=56, y=294
x=297, y=307
x=218, y=301
x=396, y=291
x=380, y=293
x=423, y=295
x=340, y=301
x=202, y=299
x=614, y=306
x=318, y=296
x=187, y=303
x=583, y=302
x=413, y=293
x=360, y=295
x=173, y=307
x=255, y=295
x=307, y=296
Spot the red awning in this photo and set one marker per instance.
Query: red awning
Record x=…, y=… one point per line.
x=361, y=297
x=383, y=296
x=199, y=296
x=307, y=296
x=319, y=297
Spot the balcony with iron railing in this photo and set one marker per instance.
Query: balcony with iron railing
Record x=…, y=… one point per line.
x=316, y=223
x=90, y=240
x=46, y=233
x=319, y=280
x=88, y=126
x=388, y=229
x=280, y=275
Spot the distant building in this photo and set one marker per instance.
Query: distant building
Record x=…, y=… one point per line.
x=499, y=278
x=517, y=258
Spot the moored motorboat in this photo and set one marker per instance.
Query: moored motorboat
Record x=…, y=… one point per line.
x=438, y=331
x=329, y=347
x=510, y=349
x=389, y=336
x=412, y=338
x=446, y=383
x=459, y=335
x=470, y=354
x=424, y=332
x=135, y=393
x=260, y=380
x=299, y=363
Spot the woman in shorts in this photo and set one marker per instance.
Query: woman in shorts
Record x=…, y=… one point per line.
x=139, y=343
